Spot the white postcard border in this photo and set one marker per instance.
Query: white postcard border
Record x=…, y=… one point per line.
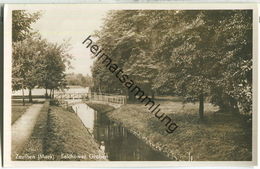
x=188, y=6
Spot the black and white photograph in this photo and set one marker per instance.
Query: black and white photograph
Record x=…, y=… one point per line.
x=158, y=84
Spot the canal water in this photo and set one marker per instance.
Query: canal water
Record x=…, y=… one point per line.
x=117, y=142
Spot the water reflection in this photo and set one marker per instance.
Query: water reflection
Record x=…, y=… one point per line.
x=115, y=140
x=86, y=114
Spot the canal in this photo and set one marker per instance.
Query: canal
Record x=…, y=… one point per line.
x=117, y=142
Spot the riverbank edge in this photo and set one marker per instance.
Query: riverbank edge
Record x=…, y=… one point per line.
x=70, y=109
x=62, y=124
x=105, y=108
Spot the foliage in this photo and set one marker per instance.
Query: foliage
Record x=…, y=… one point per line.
x=35, y=61
x=182, y=52
x=54, y=102
x=79, y=79
x=21, y=24
x=26, y=58
x=54, y=64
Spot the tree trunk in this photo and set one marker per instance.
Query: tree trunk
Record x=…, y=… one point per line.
x=223, y=107
x=53, y=93
x=30, y=96
x=233, y=104
x=50, y=94
x=131, y=97
x=23, y=96
x=201, y=106
x=46, y=93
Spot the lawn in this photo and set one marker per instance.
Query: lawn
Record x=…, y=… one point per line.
x=18, y=109
x=67, y=135
x=222, y=137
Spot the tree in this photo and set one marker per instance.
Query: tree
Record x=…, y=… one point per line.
x=207, y=53
x=21, y=24
x=123, y=37
x=79, y=79
x=235, y=46
x=21, y=30
x=36, y=62
x=26, y=63
x=189, y=60
x=192, y=53
x=54, y=62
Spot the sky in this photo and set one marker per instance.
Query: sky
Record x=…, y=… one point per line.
x=76, y=25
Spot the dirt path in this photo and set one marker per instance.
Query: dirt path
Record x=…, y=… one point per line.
x=23, y=127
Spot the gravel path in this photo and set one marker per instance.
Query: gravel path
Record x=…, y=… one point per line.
x=23, y=127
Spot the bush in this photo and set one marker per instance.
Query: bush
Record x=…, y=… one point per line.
x=54, y=102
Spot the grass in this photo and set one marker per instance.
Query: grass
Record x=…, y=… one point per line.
x=168, y=98
x=66, y=134
x=101, y=108
x=36, y=144
x=18, y=109
x=58, y=131
x=222, y=137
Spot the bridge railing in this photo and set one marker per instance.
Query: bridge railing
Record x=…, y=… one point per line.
x=111, y=99
x=105, y=97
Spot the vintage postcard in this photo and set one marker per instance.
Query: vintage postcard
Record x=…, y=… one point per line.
x=113, y=85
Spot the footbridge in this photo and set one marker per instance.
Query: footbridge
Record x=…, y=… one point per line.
x=73, y=98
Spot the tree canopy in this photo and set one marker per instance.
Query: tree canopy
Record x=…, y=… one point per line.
x=79, y=80
x=21, y=24
x=191, y=53
x=35, y=61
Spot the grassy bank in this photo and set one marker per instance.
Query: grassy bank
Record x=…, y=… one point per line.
x=223, y=136
x=101, y=108
x=18, y=109
x=67, y=138
x=35, y=146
